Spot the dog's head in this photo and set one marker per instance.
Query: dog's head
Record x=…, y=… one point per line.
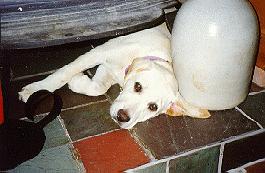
x=149, y=89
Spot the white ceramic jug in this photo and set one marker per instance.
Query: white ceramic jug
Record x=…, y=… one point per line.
x=214, y=45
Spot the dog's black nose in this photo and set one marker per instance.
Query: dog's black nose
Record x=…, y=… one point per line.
x=122, y=116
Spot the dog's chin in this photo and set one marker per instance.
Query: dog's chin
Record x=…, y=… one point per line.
x=127, y=125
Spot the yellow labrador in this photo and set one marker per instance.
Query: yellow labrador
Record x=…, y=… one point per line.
x=140, y=63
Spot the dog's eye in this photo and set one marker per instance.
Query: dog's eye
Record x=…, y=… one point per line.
x=152, y=107
x=137, y=87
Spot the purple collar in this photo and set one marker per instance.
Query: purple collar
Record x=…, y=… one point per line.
x=154, y=58
x=151, y=58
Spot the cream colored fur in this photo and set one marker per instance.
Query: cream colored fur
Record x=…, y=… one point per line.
x=156, y=76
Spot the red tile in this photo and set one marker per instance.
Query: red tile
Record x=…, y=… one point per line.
x=259, y=8
x=256, y=168
x=112, y=152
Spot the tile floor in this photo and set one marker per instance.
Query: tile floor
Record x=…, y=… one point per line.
x=85, y=139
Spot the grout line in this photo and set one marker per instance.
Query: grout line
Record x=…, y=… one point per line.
x=76, y=156
x=245, y=165
x=167, y=166
x=39, y=115
x=138, y=141
x=87, y=137
x=221, y=155
x=108, y=97
x=81, y=166
x=255, y=93
x=33, y=75
x=65, y=129
x=186, y=153
x=248, y=117
x=244, y=135
x=84, y=105
x=70, y=108
x=237, y=170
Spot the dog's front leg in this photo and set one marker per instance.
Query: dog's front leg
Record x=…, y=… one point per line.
x=62, y=75
x=98, y=85
x=100, y=55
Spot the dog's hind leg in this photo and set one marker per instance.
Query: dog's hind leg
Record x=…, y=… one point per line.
x=98, y=85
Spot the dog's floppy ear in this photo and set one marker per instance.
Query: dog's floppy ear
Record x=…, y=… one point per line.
x=181, y=108
x=137, y=66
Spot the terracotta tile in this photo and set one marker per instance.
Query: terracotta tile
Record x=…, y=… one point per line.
x=202, y=161
x=89, y=120
x=111, y=152
x=256, y=168
x=70, y=99
x=57, y=159
x=258, y=6
x=166, y=136
x=255, y=88
x=157, y=168
x=259, y=76
x=254, y=106
x=243, y=151
x=261, y=53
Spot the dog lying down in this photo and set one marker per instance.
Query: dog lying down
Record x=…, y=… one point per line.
x=140, y=63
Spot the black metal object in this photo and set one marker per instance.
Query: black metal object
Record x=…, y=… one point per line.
x=31, y=24
x=21, y=140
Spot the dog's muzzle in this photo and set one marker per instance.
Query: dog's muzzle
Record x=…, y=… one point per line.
x=122, y=116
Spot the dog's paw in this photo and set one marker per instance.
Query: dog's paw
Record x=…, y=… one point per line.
x=25, y=93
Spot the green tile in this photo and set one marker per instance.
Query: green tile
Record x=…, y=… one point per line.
x=205, y=161
x=113, y=92
x=57, y=159
x=157, y=168
x=88, y=120
x=55, y=134
x=254, y=106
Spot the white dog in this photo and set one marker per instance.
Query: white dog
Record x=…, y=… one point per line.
x=140, y=63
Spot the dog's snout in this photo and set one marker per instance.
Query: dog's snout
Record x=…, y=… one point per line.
x=122, y=116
